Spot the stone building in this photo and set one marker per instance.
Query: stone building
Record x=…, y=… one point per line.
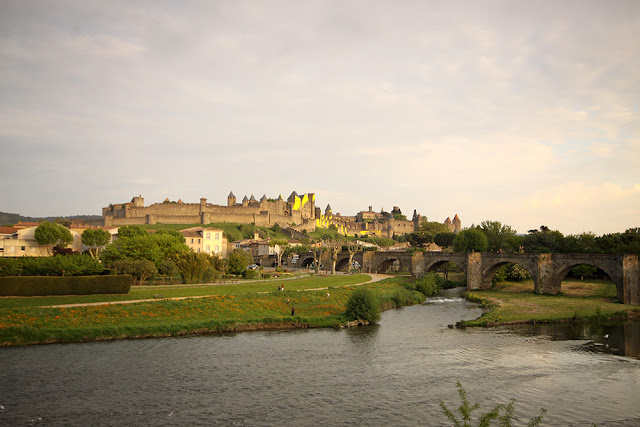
x=297, y=211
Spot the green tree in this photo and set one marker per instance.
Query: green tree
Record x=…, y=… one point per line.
x=544, y=241
x=470, y=240
x=363, y=305
x=500, y=238
x=139, y=269
x=131, y=231
x=95, y=238
x=138, y=247
x=444, y=240
x=238, y=260
x=192, y=266
x=351, y=247
x=50, y=234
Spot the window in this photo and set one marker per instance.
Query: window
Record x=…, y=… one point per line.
x=22, y=248
x=217, y=248
x=198, y=240
x=208, y=248
x=217, y=236
x=208, y=236
x=191, y=240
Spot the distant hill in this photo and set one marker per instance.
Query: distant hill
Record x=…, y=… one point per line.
x=12, y=218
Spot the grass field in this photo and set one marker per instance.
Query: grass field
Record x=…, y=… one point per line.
x=232, y=309
x=175, y=291
x=515, y=302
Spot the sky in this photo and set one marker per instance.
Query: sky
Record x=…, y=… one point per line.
x=527, y=113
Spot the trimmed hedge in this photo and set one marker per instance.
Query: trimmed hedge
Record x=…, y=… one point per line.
x=28, y=286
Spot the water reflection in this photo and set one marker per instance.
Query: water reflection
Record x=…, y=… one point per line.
x=618, y=339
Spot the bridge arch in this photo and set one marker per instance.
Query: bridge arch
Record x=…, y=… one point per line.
x=564, y=264
x=305, y=261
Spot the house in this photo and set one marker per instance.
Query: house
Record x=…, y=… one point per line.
x=206, y=240
x=22, y=242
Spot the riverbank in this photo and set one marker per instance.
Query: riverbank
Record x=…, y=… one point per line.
x=580, y=301
x=231, y=312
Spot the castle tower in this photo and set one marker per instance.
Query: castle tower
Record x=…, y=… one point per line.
x=138, y=202
x=203, y=205
x=263, y=202
x=245, y=202
x=327, y=211
x=252, y=200
x=457, y=224
x=231, y=199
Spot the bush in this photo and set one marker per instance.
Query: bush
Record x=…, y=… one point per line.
x=84, y=285
x=252, y=274
x=59, y=265
x=211, y=275
x=363, y=305
x=429, y=285
x=193, y=266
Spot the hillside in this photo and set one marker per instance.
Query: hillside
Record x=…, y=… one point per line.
x=7, y=219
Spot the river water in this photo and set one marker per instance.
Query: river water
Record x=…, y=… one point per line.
x=393, y=373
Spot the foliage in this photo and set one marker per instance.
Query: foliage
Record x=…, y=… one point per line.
x=131, y=231
x=135, y=248
x=399, y=217
x=48, y=233
x=252, y=274
x=470, y=240
x=94, y=238
x=465, y=409
x=444, y=240
x=433, y=227
x=139, y=269
x=238, y=260
x=363, y=305
x=500, y=238
x=193, y=266
x=62, y=287
x=512, y=272
x=429, y=285
x=333, y=248
x=168, y=268
x=59, y=265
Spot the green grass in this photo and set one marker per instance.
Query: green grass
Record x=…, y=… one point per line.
x=237, y=311
x=511, y=302
x=173, y=291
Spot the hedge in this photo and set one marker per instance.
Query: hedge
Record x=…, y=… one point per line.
x=27, y=286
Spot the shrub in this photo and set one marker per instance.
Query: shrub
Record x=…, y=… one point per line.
x=139, y=269
x=429, y=285
x=362, y=305
x=84, y=285
x=252, y=274
x=192, y=266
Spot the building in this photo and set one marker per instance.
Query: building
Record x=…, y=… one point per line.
x=206, y=240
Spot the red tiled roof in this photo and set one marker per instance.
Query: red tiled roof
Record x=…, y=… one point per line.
x=8, y=230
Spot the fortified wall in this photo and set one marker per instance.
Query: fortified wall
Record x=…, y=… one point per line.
x=297, y=210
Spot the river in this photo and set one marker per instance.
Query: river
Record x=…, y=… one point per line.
x=393, y=373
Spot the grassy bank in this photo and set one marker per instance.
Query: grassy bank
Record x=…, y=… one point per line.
x=176, y=291
x=234, y=310
x=511, y=302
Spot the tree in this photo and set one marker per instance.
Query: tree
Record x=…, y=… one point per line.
x=51, y=234
x=444, y=240
x=192, y=266
x=543, y=241
x=362, y=305
x=470, y=240
x=238, y=260
x=500, y=238
x=139, y=269
x=95, y=238
x=131, y=231
x=352, y=247
x=138, y=247
x=333, y=248
x=279, y=246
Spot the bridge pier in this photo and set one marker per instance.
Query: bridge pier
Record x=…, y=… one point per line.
x=474, y=272
x=631, y=280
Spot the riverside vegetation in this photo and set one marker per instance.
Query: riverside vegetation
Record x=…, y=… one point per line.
x=227, y=308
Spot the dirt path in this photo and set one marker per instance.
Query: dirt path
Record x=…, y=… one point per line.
x=374, y=278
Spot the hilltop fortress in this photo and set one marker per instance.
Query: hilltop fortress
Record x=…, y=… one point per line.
x=297, y=212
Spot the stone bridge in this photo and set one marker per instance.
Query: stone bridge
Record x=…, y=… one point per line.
x=547, y=270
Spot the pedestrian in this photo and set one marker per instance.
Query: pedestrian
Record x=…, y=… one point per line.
x=293, y=311
x=287, y=301
x=282, y=288
x=328, y=295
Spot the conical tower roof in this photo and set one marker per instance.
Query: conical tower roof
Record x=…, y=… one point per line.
x=264, y=198
x=231, y=195
x=252, y=199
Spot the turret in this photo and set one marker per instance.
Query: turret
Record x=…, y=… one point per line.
x=327, y=211
x=457, y=224
x=231, y=199
x=245, y=201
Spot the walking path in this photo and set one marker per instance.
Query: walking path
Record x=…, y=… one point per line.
x=374, y=278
